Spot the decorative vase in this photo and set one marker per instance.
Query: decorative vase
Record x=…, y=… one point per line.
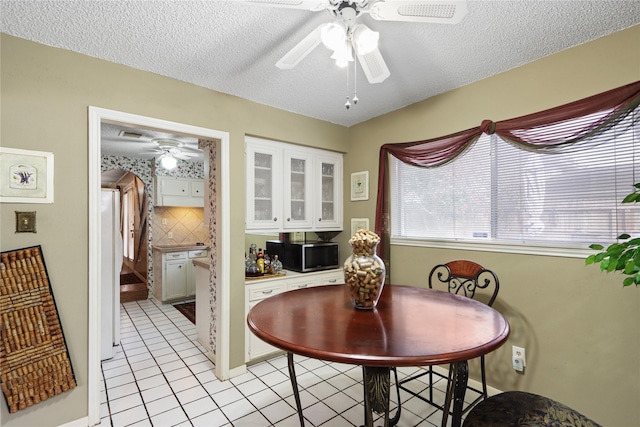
x=364, y=271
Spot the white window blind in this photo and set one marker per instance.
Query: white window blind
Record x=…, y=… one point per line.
x=497, y=192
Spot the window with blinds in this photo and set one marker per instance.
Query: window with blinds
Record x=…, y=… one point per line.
x=497, y=192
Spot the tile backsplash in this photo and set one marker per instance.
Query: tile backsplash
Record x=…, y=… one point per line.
x=184, y=225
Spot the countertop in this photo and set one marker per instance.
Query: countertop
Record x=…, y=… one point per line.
x=204, y=263
x=178, y=248
x=201, y=262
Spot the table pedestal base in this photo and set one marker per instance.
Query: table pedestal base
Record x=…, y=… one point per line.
x=377, y=385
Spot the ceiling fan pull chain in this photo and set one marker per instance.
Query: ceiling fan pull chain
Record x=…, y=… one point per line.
x=355, y=83
x=347, y=104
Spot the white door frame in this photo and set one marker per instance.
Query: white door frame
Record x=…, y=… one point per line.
x=96, y=116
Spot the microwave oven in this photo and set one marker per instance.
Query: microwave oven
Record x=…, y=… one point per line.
x=305, y=257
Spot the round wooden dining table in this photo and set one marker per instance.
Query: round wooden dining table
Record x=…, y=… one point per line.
x=411, y=326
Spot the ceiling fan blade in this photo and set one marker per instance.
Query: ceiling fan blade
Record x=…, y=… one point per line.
x=313, y=5
x=374, y=66
x=434, y=11
x=184, y=156
x=301, y=50
x=191, y=148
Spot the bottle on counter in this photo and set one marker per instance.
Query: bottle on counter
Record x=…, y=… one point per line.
x=260, y=261
x=267, y=263
x=251, y=266
x=276, y=265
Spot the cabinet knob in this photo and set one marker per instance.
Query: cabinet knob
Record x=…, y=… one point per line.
x=319, y=219
x=288, y=219
x=275, y=219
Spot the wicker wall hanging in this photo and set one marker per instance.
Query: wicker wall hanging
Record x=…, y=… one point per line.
x=34, y=360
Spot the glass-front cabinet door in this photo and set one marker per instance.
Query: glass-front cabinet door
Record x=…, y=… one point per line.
x=264, y=203
x=297, y=190
x=328, y=212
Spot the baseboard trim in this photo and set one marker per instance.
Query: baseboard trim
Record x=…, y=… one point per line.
x=237, y=371
x=81, y=422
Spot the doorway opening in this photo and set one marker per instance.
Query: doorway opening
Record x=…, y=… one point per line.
x=218, y=149
x=134, y=230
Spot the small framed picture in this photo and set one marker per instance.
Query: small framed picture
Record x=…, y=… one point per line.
x=26, y=176
x=360, y=185
x=359, y=224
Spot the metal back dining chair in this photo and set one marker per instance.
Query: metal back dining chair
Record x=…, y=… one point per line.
x=471, y=280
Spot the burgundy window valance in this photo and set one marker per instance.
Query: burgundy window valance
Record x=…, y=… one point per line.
x=558, y=129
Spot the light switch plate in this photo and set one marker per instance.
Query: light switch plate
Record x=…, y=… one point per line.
x=25, y=222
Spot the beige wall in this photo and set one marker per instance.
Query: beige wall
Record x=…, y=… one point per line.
x=579, y=327
x=45, y=95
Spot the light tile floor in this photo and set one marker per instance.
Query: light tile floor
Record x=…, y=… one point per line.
x=160, y=376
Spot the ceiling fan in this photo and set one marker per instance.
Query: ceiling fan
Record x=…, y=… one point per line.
x=346, y=36
x=168, y=150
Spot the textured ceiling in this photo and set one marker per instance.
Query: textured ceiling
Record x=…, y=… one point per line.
x=232, y=46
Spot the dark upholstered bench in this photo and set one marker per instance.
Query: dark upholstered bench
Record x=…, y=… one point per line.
x=517, y=408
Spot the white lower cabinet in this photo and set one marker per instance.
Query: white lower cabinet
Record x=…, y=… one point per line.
x=174, y=277
x=177, y=278
x=258, y=290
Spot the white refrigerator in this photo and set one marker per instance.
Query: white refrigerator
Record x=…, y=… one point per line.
x=111, y=264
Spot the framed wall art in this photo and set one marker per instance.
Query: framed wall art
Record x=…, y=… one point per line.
x=359, y=224
x=360, y=185
x=25, y=176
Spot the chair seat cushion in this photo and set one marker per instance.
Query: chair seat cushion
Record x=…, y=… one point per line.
x=517, y=408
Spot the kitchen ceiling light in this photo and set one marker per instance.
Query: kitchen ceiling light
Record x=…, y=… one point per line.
x=167, y=161
x=365, y=39
x=333, y=35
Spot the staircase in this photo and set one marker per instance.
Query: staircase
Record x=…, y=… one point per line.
x=132, y=287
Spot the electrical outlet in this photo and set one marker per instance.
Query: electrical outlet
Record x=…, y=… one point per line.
x=164, y=221
x=170, y=235
x=518, y=358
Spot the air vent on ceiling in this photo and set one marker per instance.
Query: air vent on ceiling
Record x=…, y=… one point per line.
x=130, y=134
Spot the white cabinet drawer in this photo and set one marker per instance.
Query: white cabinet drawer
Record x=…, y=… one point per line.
x=301, y=284
x=266, y=292
x=332, y=279
x=199, y=254
x=175, y=255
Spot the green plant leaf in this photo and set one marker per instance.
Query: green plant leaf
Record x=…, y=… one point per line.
x=631, y=198
x=629, y=267
x=622, y=256
x=601, y=256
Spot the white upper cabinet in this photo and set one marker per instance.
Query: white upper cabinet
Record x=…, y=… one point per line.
x=264, y=186
x=292, y=188
x=173, y=191
x=328, y=212
x=297, y=189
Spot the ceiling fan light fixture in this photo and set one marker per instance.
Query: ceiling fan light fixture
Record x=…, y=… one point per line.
x=365, y=39
x=343, y=55
x=334, y=35
x=167, y=161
